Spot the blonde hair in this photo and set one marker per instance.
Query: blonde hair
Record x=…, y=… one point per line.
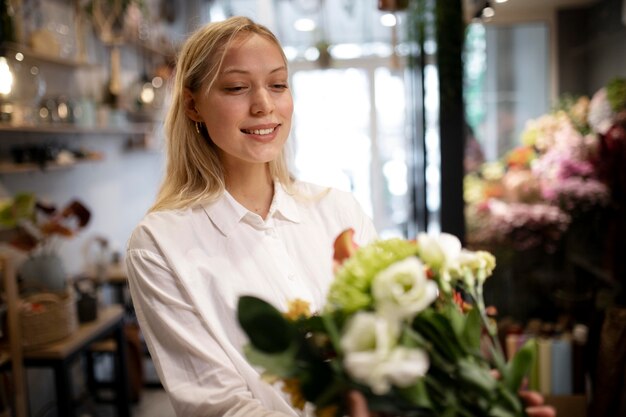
x=194, y=173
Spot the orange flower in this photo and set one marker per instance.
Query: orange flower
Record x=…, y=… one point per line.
x=344, y=246
x=291, y=387
x=493, y=190
x=520, y=157
x=458, y=300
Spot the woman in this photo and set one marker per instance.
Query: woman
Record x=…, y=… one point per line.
x=229, y=220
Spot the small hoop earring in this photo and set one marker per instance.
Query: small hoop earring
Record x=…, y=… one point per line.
x=198, y=128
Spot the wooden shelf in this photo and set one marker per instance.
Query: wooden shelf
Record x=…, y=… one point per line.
x=130, y=129
x=13, y=168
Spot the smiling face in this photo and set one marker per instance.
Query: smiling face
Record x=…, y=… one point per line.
x=247, y=110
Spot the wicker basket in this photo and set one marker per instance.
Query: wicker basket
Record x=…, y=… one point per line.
x=53, y=318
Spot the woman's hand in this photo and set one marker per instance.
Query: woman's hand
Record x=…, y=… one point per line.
x=357, y=404
x=535, y=407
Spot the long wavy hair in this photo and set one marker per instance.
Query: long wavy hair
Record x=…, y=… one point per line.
x=194, y=172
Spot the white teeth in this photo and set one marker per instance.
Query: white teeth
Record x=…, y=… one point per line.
x=259, y=131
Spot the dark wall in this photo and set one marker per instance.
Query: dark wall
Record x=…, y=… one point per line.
x=592, y=46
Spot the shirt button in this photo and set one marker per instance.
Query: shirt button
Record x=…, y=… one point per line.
x=291, y=277
x=270, y=232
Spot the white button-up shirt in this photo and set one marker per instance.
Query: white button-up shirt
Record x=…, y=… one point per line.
x=187, y=269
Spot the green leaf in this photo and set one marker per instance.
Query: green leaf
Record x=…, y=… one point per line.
x=472, y=331
x=436, y=329
x=265, y=326
x=315, y=378
x=511, y=399
x=331, y=393
x=417, y=394
x=520, y=365
x=21, y=206
x=477, y=376
x=333, y=331
x=280, y=364
x=498, y=411
x=456, y=319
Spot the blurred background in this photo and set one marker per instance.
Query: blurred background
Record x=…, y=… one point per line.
x=501, y=122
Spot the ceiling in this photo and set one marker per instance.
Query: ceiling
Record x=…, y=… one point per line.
x=515, y=10
x=358, y=21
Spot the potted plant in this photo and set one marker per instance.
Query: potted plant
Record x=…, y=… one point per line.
x=33, y=226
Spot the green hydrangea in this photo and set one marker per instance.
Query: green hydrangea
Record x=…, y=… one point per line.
x=350, y=291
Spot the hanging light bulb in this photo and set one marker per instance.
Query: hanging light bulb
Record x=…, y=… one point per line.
x=21, y=87
x=488, y=12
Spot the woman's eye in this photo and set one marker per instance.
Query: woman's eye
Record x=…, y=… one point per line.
x=280, y=86
x=235, y=89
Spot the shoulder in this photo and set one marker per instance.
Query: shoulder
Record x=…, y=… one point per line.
x=319, y=194
x=162, y=225
x=336, y=209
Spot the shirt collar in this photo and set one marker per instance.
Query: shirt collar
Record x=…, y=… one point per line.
x=226, y=212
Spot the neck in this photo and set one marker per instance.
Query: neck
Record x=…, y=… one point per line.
x=253, y=188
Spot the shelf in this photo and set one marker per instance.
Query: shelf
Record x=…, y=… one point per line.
x=38, y=56
x=13, y=168
x=130, y=129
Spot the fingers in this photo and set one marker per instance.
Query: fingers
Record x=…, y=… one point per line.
x=541, y=411
x=531, y=398
x=534, y=405
x=357, y=404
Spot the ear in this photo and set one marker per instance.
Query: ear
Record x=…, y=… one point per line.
x=189, y=102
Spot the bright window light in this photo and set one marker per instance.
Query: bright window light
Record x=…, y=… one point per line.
x=346, y=51
x=6, y=77
x=304, y=25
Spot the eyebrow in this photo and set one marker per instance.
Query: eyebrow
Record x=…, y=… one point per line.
x=242, y=71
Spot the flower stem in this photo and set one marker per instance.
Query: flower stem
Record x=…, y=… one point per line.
x=477, y=294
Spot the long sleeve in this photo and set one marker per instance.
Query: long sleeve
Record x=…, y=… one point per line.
x=196, y=372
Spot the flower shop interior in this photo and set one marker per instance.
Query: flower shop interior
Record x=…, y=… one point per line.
x=500, y=122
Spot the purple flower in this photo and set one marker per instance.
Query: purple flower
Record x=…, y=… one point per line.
x=576, y=194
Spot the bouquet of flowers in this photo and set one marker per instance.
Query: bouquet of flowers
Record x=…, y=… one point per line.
x=545, y=186
x=404, y=323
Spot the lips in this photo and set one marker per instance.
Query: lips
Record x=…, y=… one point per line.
x=258, y=131
x=261, y=130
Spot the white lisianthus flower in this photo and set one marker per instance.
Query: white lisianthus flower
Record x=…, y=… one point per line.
x=441, y=252
x=405, y=365
x=367, y=331
x=372, y=357
x=402, y=290
x=476, y=266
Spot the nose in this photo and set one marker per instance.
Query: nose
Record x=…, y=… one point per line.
x=262, y=102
